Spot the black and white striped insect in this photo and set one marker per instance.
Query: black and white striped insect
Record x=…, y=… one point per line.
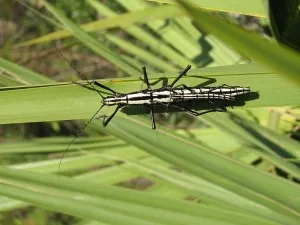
x=170, y=96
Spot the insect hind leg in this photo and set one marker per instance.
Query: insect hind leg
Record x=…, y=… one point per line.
x=194, y=113
x=212, y=110
x=92, y=88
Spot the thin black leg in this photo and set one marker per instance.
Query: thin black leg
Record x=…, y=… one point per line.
x=146, y=78
x=152, y=117
x=92, y=88
x=182, y=73
x=186, y=87
x=105, y=122
x=83, y=85
x=102, y=86
x=212, y=110
x=94, y=83
x=194, y=113
x=151, y=106
x=179, y=107
x=208, y=111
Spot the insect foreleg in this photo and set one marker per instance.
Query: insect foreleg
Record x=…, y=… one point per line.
x=83, y=85
x=106, y=121
x=104, y=87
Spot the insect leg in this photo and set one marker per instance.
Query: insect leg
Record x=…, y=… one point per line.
x=186, y=87
x=179, y=107
x=102, y=86
x=92, y=88
x=151, y=106
x=185, y=109
x=83, y=85
x=182, y=73
x=212, y=110
x=194, y=113
x=219, y=109
x=105, y=122
x=152, y=117
x=146, y=77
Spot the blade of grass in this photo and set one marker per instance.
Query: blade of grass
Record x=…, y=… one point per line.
x=78, y=198
x=252, y=7
x=172, y=34
x=145, y=37
x=69, y=101
x=124, y=21
x=277, y=57
x=248, y=133
x=22, y=73
x=212, y=166
x=140, y=53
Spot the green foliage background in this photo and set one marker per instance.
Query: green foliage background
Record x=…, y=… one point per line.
x=239, y=167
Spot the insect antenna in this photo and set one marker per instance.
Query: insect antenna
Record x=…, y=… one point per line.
x=80, y=74
x=78, y=134
x=87, y=123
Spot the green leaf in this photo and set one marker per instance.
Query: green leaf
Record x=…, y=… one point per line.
x=156, y=45
x=22, y=74
x=124, y=21
x=251, y=134
x=253, y=7
x=278, y=58
x=66, y=101
x=284, y=20
x=111, y=204
x=211, y=166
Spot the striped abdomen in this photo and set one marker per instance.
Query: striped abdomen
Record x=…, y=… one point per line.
x=166, y=96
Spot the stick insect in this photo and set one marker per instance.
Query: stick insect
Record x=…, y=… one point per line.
x=170, y=96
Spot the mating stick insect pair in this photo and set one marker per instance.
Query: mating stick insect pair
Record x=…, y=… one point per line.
x=169, y=96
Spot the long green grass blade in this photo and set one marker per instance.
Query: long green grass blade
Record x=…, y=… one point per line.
x=110, y=204
x=277, y=57
x=145, y=37
x=66, y=101
x=216, y=168
x=124, y=21
x=23, y=74
x=248, y=134
x=247, y=7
